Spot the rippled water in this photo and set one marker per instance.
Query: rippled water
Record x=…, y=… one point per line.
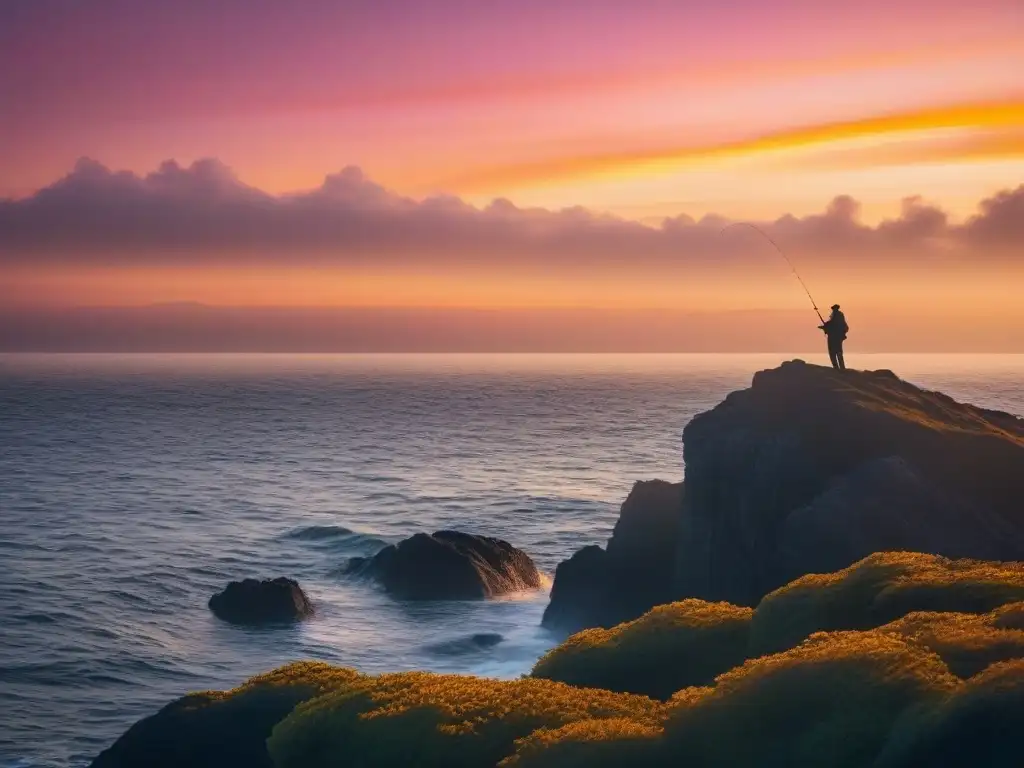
x=134, y=487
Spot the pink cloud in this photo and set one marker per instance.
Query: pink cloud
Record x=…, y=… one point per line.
x=202, y=214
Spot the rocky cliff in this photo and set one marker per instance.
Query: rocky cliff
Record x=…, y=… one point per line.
x=602, y=587
x=811, y=469
x=806, y=471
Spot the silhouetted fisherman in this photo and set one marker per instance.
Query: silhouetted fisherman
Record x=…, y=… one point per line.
x=835, y=329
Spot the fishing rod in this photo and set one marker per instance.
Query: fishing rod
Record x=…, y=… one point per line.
x=782, y=253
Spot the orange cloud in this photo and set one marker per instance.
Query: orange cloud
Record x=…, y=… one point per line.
x=904, y=149
x=1006, y=116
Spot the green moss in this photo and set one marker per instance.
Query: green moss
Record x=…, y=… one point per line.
x=442, y=721
x=902, y=688
x=968, y=643
x=1010, y=616
x=878, y=589
x=979, y=725
x=609, y=743
x=831, y=701
x=670, y=647
x=218, y=729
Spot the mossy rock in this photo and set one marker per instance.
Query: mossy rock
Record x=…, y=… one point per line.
x=671, y=647
x=438, y=721
x=967, y=642
x=611, y=743
x=829, y=702
x=222, y=729
x=877, y=590
x=981, y=725
x=900, y=689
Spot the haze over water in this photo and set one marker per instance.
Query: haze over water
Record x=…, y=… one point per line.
x=134, y=487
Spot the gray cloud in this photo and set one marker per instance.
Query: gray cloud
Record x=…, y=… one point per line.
x=1000, y=221
x=203, y=214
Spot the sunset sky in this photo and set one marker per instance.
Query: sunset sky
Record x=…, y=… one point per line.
x=519, y=157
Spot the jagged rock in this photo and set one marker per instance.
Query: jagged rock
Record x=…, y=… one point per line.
x=261, y=602
x=810, y=469
x=449, y=565
x=581, y=594
x=603, y=588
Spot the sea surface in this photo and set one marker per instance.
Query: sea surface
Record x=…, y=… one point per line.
x=134, y=487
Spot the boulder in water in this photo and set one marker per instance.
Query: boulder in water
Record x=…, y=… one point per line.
x=449, y=565
x=270, y=601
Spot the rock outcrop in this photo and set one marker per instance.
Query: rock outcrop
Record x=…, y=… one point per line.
x=221, y=729
x=810, y=469
x=449, y=565
x=270, y=601
x=807, y=471
x=900, y=661
x=598, y=587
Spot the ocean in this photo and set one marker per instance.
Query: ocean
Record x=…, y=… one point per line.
x=134, y=487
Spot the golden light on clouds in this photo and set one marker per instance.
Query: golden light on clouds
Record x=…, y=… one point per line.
x=789, y=169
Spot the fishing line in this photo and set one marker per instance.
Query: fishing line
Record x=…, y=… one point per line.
x=782, y=253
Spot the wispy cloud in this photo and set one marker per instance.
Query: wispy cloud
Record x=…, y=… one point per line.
x=995, y=126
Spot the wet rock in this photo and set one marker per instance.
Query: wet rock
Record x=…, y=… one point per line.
x=449, y=565
x=270, y=601
x=597, y=587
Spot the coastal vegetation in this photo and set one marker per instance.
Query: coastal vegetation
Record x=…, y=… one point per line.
x=862, y=667
x=669, y=648
x=896, y=640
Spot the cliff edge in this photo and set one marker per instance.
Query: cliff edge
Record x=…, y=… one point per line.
x=810, y=469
